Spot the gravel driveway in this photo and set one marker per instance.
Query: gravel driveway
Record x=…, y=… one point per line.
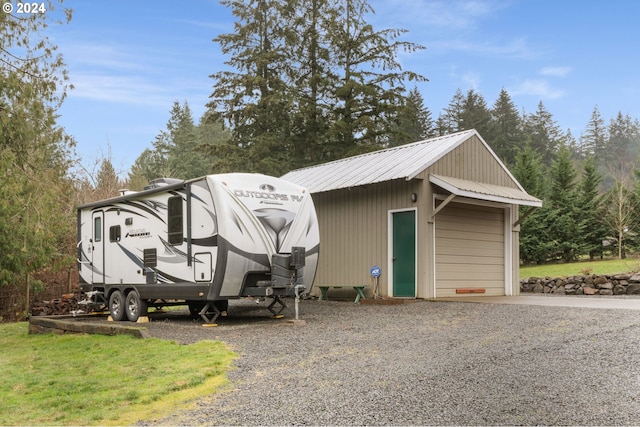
x=422, y=363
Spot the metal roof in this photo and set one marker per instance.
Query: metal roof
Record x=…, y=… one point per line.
x=405, y=161
x=483, y=191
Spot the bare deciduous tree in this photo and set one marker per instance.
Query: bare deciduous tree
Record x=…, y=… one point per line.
x=620, y=203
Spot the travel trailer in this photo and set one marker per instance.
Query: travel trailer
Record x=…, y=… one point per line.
x=198, y=243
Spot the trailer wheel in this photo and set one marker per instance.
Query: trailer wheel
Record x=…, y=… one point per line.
x=116, y=305
x=195, y=307
x=222, y=305
x=134, y=306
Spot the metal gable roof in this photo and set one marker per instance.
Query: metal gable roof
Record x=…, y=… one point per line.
x=403, y=162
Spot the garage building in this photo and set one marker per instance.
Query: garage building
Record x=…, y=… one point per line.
x=439, y=217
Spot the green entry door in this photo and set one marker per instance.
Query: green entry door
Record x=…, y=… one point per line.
x=404, y=254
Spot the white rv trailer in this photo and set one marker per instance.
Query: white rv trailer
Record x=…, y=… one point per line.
x=199, y=242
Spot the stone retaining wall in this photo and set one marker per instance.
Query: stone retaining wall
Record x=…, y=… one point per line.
x=617, y=284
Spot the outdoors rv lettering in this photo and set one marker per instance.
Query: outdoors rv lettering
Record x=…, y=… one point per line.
x=268, y=196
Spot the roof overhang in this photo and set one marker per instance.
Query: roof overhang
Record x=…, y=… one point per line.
x=483, y=191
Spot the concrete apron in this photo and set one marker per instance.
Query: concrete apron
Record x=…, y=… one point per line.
x=556, y=301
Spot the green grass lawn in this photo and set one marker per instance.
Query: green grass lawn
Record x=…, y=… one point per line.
x=612, y=266
x=102, y=380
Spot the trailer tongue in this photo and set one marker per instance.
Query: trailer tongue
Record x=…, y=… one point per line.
x=199, y=242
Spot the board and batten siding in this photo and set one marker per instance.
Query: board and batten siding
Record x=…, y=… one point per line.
x=469, y=249
x=354, y=230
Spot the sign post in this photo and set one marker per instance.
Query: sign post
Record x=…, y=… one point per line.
x=375, y=275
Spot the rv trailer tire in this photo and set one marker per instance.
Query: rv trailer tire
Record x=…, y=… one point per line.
x=117, y=306
x=135, y=306
x=195, y=307
x=222, y=304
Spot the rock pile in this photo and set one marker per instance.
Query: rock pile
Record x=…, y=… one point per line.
x=617, y=284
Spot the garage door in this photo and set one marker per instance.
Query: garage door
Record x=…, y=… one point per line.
x=469, y=250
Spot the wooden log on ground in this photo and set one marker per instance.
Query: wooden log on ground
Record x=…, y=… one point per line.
x=43, y=324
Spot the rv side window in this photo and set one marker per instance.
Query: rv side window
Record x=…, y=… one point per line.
x=97, y=229
x=114, y=233
x=175, y=220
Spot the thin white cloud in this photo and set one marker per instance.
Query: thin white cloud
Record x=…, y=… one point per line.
x=127, y=89
x=135, y=75
x=119, y=89
x=537, y=87
x=100, y=56
x=513, y=49
x=459, y=27
x=438, y=14
x=210, y=25
x=472, y=80
x=555, y=71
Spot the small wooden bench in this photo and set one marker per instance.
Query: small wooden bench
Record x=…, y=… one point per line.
x=358, y=288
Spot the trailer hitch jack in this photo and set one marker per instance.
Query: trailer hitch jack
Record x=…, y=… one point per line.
x=299, y=289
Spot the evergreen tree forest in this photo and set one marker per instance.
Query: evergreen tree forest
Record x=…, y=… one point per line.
x=305, y=82
x=37, y=194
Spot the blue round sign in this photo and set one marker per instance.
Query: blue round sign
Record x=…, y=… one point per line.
x=375, y=271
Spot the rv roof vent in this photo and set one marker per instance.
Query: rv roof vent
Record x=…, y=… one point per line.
x=161, y=182
x=126, y=191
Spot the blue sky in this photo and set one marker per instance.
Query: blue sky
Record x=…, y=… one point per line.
x=130, y=60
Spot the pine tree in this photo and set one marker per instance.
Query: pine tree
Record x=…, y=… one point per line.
x=475, y=114
x=544, y=132
x=414, y=122
x=572, y=144
x=184, y=156
x=149, y=165
x=179, y=151
x=449, y=120
x=211, y=134
x=370, y=87
x=624, y=140
x=590, y=204
x=506, y=136
x=137, y=179
x=254, y=101
x=107, y=182
x=564, y=223
x=595, y=137
x=528, y=170
x=313, y=81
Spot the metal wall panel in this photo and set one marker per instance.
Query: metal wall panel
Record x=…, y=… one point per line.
x=474, y=162
x=354, y=230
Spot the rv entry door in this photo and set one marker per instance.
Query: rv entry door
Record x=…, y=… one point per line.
x=97, y=253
